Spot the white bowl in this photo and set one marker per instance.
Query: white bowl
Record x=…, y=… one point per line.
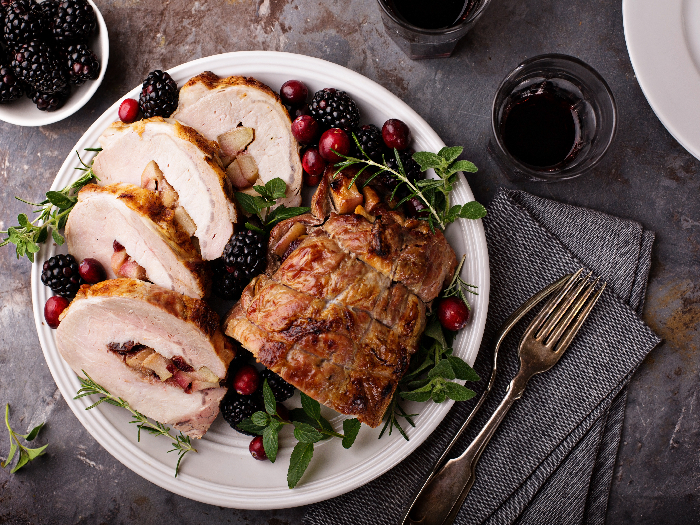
x=23, y=112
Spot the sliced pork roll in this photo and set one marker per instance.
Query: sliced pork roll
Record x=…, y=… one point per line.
x=190, y=165
x=215, y=106
x=125, y=228
x=159, y=350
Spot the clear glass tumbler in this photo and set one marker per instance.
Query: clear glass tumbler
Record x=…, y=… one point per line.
x=418, y=42
x=592, y=103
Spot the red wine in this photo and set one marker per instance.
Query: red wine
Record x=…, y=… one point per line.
x=431, y=14
x=541, y=129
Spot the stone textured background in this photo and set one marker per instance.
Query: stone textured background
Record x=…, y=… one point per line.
x=646, y=176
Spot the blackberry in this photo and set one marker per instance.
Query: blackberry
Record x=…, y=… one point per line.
x=22, y=23
x=246, y=253
x=60, y=273
x=235, y=408
x=36, y=64
x=10, y=89
x=82, y=63
x=75, y=21
x=225, y=284
x=47, y=11
x=370, y=139
x=50, y=101
x=279, y=386
x=159, y=95
x=410, y=166
x=334, y=109
x=241, y=358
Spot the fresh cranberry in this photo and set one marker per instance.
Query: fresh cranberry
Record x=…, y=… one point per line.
x=305, y=129
x=332, y=141
x=282, y=411
x=311, y=180
x=247, y=380
x=415, y=207
x=313, y=163
x=299, y=111
x=256, y=448
x=453, y=313
x=294, y=93
x=128, y=110
x=91, y=271
x=396, y=134
x=53, y=308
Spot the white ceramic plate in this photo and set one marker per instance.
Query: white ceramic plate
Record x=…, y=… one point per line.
x=663, y=41
x=23, y=112
x=223, y=473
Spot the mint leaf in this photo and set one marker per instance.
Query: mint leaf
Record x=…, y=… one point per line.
x=417, y=395
x=301, y=457
x=57, y=237
x=305, y=433
x=282, y=213
x=277, y=188
x=464, y=165
x=434, y=331
x=298, y=414
x=260, y=419
x=442, y=369
x=472, y=210
x=428, y=160
x=462, y=369
x=59, y=200
x=271, y=440
x=269, y=399
x=33, y=433
x=249, y=203
x=449, y=154
x=351, y=427
x=439, y=394
x=311, y=406
x=457, y=392
x=248, y=426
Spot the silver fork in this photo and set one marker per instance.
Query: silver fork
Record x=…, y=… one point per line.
x=542, y=344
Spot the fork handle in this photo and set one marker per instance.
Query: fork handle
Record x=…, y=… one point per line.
x=442, y=496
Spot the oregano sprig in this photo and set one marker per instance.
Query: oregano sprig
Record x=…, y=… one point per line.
x=435, y=193
x=309, y=427
x=53, y=215
x=26, y=454
x=260, y=204
x=180, y=443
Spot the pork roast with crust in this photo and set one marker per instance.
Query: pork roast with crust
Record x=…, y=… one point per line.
x=189, y=163
x=109, y=327
x=214, y=106
x=138, y=221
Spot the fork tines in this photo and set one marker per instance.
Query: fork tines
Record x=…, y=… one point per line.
x=561, y=318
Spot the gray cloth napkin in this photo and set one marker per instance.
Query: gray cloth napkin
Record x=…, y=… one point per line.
x=552, y=459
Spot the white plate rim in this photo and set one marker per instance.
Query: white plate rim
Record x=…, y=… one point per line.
x=658, y=47
x=142, y=458
x=78, y=98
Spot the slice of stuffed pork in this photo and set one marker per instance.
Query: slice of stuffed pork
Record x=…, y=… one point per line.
x=189, y=163
x=132, y=233
x=218, y=107
x=159, y=350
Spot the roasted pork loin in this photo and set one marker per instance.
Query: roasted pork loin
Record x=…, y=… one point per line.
x=342, y=310
x=159, y=350
x=214, y=106
x=189, y=163
x=137, y=220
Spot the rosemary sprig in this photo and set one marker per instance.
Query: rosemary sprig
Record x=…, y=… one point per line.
x=53, y=215
x=458, y=286
x=181, y=443
x=435, y=193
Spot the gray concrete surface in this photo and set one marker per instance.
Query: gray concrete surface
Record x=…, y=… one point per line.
x=646, y=176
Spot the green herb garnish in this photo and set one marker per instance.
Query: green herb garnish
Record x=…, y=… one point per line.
x=435, y=193
x=309, y=427
x=26, y=454
x=180, y=443
x=259, y=205
x=53, y=215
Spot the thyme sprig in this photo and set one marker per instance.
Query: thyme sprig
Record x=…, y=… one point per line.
x=180, y=443
x=53, y=215
x=434, y=192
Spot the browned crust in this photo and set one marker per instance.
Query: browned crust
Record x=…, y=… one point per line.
x=149, y=204
x=193, y=311
x=213, y=81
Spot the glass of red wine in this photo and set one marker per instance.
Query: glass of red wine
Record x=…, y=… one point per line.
x=429, y=28
x=553, y=118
